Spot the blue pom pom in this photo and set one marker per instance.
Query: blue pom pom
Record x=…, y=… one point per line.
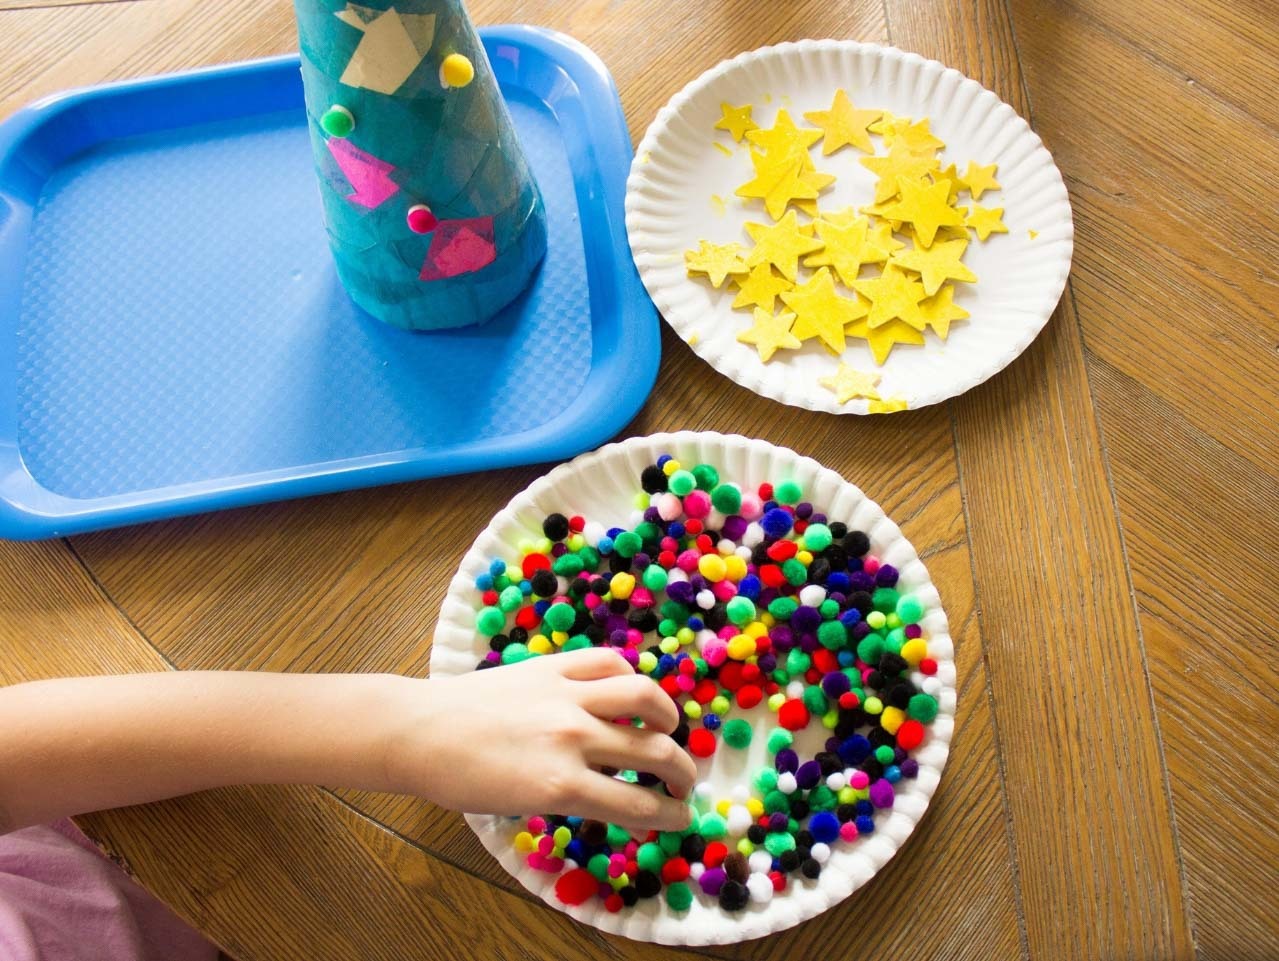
x=661, y=461
x=675, y=529
x=824, y=827
x=614, y=531
x=665, y=664
x=864, y=809
x=838, y=581
x=498, y=566
x=846, y=658
x=526, y=588
x=892, y=774
x=710, y=722
x=776, y=523
x=865, y=824
x=605, y=545
x=750, y=586
x=484, y=582
x=542, y=606
x=695, y=624
x=576, y=851
x=850, y=617
x=854, y=749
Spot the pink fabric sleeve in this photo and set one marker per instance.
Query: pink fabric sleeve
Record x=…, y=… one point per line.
x=61, y=900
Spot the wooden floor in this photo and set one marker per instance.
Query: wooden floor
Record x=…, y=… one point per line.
x=1102, y=519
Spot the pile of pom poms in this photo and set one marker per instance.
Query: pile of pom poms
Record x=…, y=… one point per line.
x=732, y=601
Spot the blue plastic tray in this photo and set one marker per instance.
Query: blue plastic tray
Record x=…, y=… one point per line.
x=173, y=338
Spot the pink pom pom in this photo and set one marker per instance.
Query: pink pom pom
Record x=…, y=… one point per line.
x=697, y=504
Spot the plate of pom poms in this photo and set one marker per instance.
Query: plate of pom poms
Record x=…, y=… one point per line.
x=795, y=628
x=848, y=227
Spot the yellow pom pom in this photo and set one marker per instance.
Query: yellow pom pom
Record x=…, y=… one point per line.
x=456, y=71
x=741, y=647
x=670, y=467
x=744, y=846
x=847, y=795
x=621, y=585
x=524, y=842
x=755, y=806
x=712, y=567
x=685, y=635
x=576, y=542
x=720, y=704
x=722, y=807
x=767, y=619
x=734, y=567
x=892, y=719
x=540, y=645
x=776, y=701
x=692, y=710
x=914, y=651
x=804, y=557
x=872, y=705
x=669, y=645
x=755, y=629
x=542, y=545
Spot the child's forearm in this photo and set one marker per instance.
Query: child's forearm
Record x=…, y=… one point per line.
x=84, y=744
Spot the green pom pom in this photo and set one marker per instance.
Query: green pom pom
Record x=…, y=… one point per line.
x=681, y=482
x=707, y=477
x=727, y=499
x=778, y=843
x=795, y=572
x=815, y=700
x=712, y=826
x=515, y=652
x=909, y=609
x=648, y=531
x=829, y=609
x=885, y=599
x=679, y=896
x=797, y=662
x=922, y=707
x=670, y=841
x=627, y=544
x=741, y=610
x=894, y=640
x=338, y=121
x=654, y=578
x=765, y=780
x=650, y=857
x=775, y=801
x=567, y=565
x=737, y=733
x=832, y=635
x=598, y=866
x=884, y=754
x=783, y=607
x=490, y=621
x=779, y=740
x=822, y=798
x=781, y=676
x=617, y=836
x=510, y=599
x=870, y=648
x=590, y=558
x=817, y=537
x=560, y=617
x=788, y=492
x=576, y=643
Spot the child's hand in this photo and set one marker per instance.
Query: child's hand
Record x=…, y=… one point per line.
x=530, y=738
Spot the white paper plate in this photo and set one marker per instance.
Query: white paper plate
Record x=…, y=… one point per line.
x=601, y=486
x=678, y=169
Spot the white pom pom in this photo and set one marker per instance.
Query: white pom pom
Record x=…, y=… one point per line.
x=714, y=520
x=676, y=575
x=836, y=781
x=786, y=783
x=592, y=532
x=637, y=518
x=744, y=552
x=760, y=887
x=932, y=686
x=725, y=547
x=705, y=600
x=740, y=794
x=795, y=689
x=820, y=852
x=703, y=791
x=739, y=820
x=754, y=535
x=812, y=595
x=696, y=869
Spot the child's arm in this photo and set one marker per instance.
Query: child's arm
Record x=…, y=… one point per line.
x=513, y=740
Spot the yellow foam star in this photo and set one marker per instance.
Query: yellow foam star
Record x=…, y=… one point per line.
x=985, y=221
x=783, y=138
x=888, y=125
x=781, y=245
x=937, y=264
x=899, y=162
x=843, y=125
x=887, y=406
x=716, y=261
x=848, y=382
x=940, y=310
x=925, y=206
x=847, y=249
x=893, y=295
x=884, y=338
x=948, y=232
x=980, y=179
x=821, y=312
x=770, y=334
x=916, y=137
x=844, y=217
x=736, y=120
x=881, y=235
x=951, y=176
x=760, y=288
x=777, y=184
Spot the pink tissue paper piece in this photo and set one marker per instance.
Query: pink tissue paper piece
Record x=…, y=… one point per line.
x=369, y=177
x=459, y=247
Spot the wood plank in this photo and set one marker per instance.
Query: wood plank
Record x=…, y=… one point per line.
x=1035, y=487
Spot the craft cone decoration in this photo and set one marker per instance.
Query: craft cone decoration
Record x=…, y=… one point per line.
x=434, y=218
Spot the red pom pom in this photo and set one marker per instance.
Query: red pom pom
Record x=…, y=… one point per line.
x=676, y=869
x=715, y=853
x=576, y=524
x=779, y=881
x=705, y=690
x=801, y=526
x=793, y=715
x=812, y=676
x=526, y=618
x=533, y=563
x=848, y=700
x=825, y=660
x=730, y=675
x=705, y=544
x=782, y=550
x=688, y=666
x=666, y=559
x=693, y=526
x=771, y=575
x=701, y=742
x=766, y=491
x=928, y=666
x=613, y=903
x=670, y=685
x=489, y=597
x=910, y=735
x=576, y=886
x=748, y=695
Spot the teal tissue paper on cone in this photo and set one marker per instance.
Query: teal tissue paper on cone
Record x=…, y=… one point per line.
x=433, y=216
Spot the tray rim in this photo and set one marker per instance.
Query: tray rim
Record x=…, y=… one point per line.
x=619, y=381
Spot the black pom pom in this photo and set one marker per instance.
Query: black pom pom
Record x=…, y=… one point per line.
x=693, y=847
x=594, y=633
x=577, y=588
x=599, y=586
x=804, y=838
x=836, y=557
x=593, y=833
x=901, y=694
x=830, y=763
x=846, y=725
x=642, y=619
x=629, y=895
x=799, y=808
x=653, y=479
x=619, y=607
x=618, y=564
x=733, y=896
x=485, y=665
x=680, y=735
x=874, y=770
x=759, y=555
x=555, y=527
x=838, y=530
x=891, y=665
x=756, y=834
x=716, y=617
x=544, y=583
x=862, y=601
x=789, y=861
x=647, y=884
x=878, y=737
x=811, y=869
x=818, y=571
x=846, y=812
x=875, y=679
x=498, y=642
x=856, y=543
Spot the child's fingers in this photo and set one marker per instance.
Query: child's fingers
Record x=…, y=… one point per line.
x=631, y=696
x=591, y=663
x=628, y=748
x=633, y=807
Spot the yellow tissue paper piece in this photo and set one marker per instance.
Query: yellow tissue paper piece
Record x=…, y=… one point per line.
x=716, y=261
x=781, y=245
x=843, y=125
x=722, y=149
x=848, y=382
x=770, y=334
x=821, y=312
x=736, y=120
x=936, y=264
x=760, y=288
x=392, y=46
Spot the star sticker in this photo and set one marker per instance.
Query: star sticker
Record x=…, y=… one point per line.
x=899, y=162
x=985, y=221
x=820, y=312
x=980, y=179
x=716, y=261
x=760, y=288
x=847, y=248
x=940, y=309
x=784, y=138
x=937, y=264
x=736, y=120
x=893, y=294
x=777, y=184
x=847, y=383
x=770, y=334
x=884, y=338
x=842, y=125
x=925, y=206
x=780, y=245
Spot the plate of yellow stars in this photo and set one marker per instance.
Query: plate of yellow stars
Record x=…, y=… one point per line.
x=848, y=227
